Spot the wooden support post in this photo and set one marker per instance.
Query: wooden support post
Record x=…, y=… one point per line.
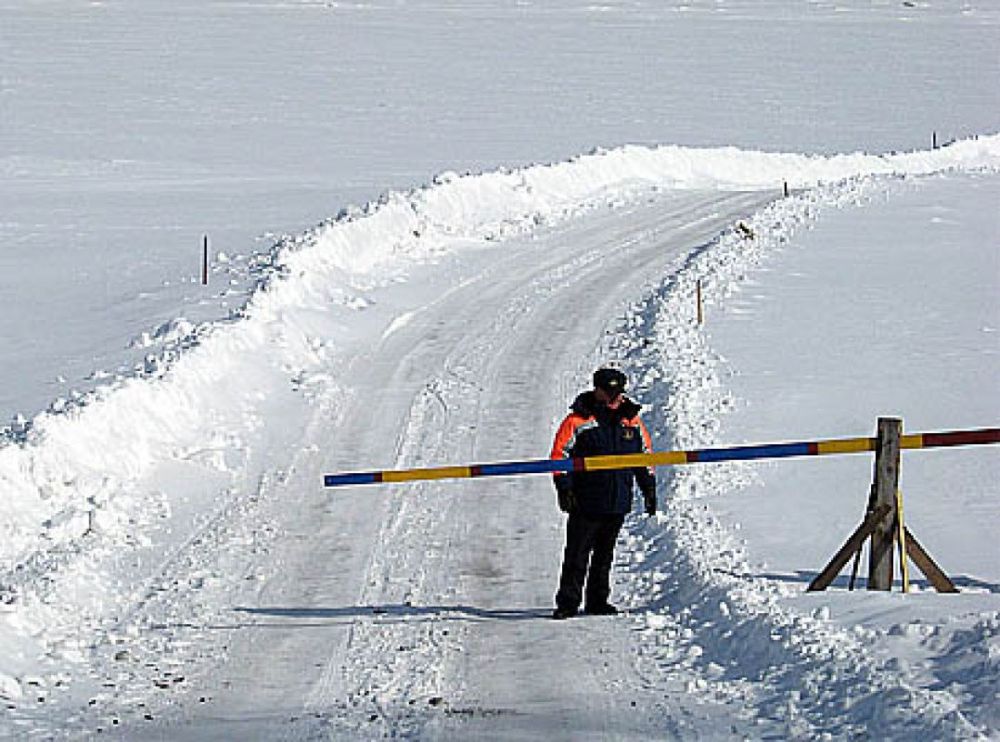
x=786, y=189
x=880, y=560
x=934, y=140
x=701, y=312
x=884, y=524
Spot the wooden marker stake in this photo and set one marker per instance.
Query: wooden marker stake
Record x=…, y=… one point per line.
x=204, y=261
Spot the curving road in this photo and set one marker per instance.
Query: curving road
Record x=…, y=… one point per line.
x=421, y=610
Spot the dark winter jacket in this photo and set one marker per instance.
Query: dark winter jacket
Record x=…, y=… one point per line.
x=593, y=429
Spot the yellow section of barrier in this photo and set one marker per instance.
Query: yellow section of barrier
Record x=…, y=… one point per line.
x=629, y=460
x=626, y=461
x=912, y=441
x=667, y=458
x=442, y=472
x=846, y=445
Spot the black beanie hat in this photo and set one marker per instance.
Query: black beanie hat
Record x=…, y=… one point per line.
x=610, y=380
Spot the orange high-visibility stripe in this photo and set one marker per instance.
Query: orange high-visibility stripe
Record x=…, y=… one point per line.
x=565, y=437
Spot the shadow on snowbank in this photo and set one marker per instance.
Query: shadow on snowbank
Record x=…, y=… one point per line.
x=971, y=584
x=401, y=611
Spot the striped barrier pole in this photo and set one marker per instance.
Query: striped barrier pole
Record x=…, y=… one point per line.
x=940, y=439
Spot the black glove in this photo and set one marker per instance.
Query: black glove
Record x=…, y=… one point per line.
x=564, y=489
x=567, y=500
x=649, y=500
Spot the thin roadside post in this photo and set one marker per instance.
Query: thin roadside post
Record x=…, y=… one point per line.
x=204, y=261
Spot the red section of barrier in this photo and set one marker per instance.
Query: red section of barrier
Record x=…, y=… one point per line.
x=962, y=438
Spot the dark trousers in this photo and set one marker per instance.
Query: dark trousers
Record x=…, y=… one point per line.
x=590, y=540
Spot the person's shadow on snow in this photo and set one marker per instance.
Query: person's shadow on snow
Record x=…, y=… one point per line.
x=394, y=612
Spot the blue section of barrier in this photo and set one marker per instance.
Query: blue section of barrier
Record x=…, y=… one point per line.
x=524, y=467
x=742, y=453
x=340, y=480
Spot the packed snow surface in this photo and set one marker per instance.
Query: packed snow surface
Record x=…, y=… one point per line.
x=170, y=566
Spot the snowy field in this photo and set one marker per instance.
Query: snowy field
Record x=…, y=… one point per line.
x=170, y=566
x=130, y=130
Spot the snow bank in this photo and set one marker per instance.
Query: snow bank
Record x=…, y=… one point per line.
x=418, y=223
x=789, y=663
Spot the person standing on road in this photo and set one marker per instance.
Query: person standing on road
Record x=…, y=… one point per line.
x=601, y=422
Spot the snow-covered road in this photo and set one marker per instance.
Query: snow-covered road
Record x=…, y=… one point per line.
x=422, y=609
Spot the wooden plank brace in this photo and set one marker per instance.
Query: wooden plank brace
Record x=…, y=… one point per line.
x=850, y=547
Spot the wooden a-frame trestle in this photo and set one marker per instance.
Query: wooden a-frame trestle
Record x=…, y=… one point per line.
x=883, y=525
